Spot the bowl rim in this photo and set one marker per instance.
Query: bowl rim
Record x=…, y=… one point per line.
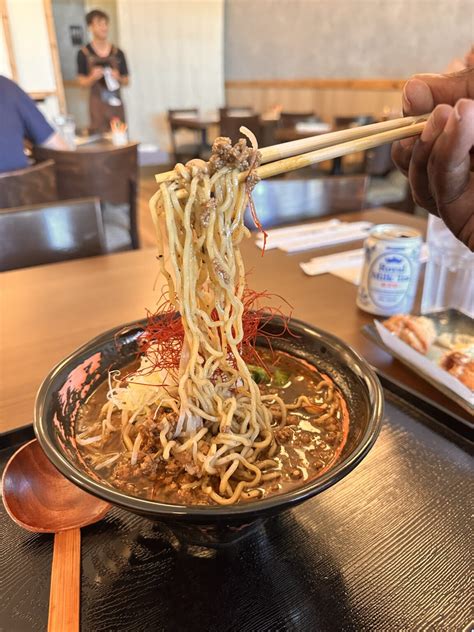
x=43, y=432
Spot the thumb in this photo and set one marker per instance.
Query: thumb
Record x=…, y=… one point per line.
x=423, y=92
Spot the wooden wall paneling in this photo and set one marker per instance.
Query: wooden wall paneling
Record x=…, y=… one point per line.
x=352, y=84
x=327, y=97
x=7, y=36
x=53, y=45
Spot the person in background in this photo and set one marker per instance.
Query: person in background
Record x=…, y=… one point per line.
x=440, y=163
x=102, y=67
x=20, y=119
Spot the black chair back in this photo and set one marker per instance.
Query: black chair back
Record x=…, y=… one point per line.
x=353, y=121
x=32, y=185
x=236, y=111
x=378, y=160
x=34, y=235
x=280, y=202
x=230, y=126
x=290, y=119
x=182, y=152
x=107, y=172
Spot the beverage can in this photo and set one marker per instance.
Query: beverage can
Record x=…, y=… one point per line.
x=390, y=271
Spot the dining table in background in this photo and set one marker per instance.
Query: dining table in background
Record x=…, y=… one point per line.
x=291, y=133
x=198, y=123
x=55, y=308
x=204, y=123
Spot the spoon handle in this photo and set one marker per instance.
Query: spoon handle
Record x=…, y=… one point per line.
x=65, y=582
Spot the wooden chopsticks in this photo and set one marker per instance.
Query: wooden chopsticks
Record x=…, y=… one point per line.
x=296, y=154
x=335, y=151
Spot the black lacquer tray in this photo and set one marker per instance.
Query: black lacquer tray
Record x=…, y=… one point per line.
x=387, y=549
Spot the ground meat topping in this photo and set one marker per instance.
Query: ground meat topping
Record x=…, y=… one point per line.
x=283, y=435
x=239, y=156
x=221, y=272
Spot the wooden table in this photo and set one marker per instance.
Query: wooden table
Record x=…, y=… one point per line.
x=48, y=311
x=286, y=134
x=197, y=123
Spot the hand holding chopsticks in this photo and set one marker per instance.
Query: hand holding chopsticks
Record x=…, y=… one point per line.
x=285, y=157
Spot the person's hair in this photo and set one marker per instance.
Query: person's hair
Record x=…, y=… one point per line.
x=96, y=14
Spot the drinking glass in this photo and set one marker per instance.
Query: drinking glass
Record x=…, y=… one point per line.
x=449, y=275
x=66, y=126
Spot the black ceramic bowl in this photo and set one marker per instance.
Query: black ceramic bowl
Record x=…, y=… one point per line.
x=70, y=383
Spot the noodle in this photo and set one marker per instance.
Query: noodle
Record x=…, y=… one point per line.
x=204, y=267
x=208, y=413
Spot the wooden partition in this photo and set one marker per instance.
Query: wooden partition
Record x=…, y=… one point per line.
x=29, y=53
x=326, y=97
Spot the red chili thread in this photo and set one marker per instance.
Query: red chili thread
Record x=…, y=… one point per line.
x=162, y=340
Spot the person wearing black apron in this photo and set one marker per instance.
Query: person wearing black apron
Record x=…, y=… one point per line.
x=102, y=67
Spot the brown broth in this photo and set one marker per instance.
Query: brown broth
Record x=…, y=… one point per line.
x=307, y=445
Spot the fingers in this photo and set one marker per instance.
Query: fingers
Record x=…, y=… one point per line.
x=452, y=182
x=401, y=153
x=418, y=167
x=423, y=92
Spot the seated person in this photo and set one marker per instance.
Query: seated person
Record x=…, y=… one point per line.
x=20, y=119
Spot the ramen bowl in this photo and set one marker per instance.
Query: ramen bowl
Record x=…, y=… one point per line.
x=72, y=381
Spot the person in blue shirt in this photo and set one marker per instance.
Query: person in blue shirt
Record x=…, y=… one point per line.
x=20, y=119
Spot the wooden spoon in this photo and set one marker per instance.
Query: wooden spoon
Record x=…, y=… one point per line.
x=40, y=499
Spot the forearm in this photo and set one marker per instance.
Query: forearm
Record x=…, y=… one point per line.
x=55, y=141
x=123, y=80
x=85, y=81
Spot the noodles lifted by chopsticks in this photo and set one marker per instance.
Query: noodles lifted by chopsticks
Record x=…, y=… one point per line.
x=191, y=418
x=210, y=409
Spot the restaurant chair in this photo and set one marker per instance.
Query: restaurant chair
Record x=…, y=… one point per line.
x=355, y=162
x=378, y=160
x=32, y=185
x=290, y=119
x=230, y=126
x=52, y=232
x=109, y=173
x=387, y=186
x=280, y=202
x=183, y=151
x=236, y=111
x=343, y=122
x=390, y=190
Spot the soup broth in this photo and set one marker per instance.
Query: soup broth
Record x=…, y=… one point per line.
x=309, y=441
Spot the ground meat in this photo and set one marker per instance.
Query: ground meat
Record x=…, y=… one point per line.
x=172, y=466
x=306, y=438
x=239, y=156
x=204, y=448
x=150, y=467
x=206, y=209
x=220, y=271
x=183, y=457
x=124, y=471
x=276, y=412
x=252, y=180
x=283, y=435
x=150, y=433
x=185, y=478
x=331, y=437
x=125, y=486
x=292, y=420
